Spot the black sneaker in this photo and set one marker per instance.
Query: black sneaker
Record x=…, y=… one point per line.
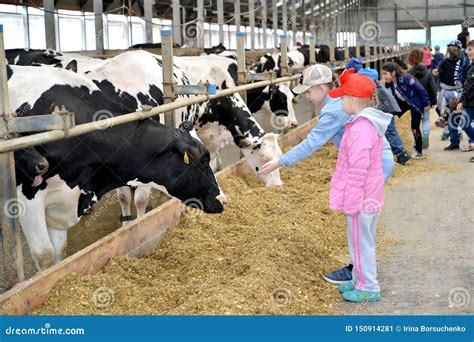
x=340, y=276
x=402, y=158
x=471, y=160
x=451, y=147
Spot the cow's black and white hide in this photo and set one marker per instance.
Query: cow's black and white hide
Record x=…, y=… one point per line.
x=82, y=169
x=276, y=100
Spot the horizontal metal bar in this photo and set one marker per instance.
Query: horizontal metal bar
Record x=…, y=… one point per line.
x=196, y=89
x=51, y=136
x=40, y=123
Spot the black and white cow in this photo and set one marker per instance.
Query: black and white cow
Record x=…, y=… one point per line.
x=38, y=57
x=134, y=79
x=220, y=50
x=276, y=100
x=82, y=169
x=30, y=166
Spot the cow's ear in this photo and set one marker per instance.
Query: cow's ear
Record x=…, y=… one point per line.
x=186, y=126
x=190, y=153
x=72, y=66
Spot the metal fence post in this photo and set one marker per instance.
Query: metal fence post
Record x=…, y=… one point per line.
x=241, y=73
x=312, y=50
x=284, y=55
x=11, y=208
x=168, y=77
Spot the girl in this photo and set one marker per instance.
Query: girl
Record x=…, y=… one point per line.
x=357, y=183
x=409, y=94
x=423, y=75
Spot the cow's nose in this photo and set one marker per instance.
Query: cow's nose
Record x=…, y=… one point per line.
x=223, y=199
x=42, y=167
x=293, y=124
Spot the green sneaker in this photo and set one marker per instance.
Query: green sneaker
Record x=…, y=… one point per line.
x=426, y=141
x=346, y=287
x=361, y=296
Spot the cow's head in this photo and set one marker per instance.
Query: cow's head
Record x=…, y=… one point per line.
x=258, y=154
x=30, y=166
x=266, y=63
x=281, y=105
x=186, y=174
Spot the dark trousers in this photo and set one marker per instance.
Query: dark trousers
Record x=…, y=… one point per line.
x=415, y=124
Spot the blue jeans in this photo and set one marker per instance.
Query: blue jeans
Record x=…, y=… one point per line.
x=465, y=120
x=469, y=126
x=425, y=123
x=394, y=138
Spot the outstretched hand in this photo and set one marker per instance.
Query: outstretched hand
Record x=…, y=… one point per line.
x=269, y=167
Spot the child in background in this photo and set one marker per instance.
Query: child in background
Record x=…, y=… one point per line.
x=387, y=103
x=357, y=184
x=423, y=75
x=409, y=94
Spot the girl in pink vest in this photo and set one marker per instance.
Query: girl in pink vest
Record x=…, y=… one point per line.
x=357, y=184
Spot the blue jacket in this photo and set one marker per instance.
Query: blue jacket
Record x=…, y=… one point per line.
x=411, y=91
x=330, y=127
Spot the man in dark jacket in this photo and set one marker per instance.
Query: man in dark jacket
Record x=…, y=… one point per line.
x=452, y=73
x=467, y=98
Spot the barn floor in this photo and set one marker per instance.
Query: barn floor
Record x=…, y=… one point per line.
x=431, y=216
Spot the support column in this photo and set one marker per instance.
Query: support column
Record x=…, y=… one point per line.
x=275, y=23
x=49, y=24
x=99, y=27
x=200, y=24
x=220, y=19
x=177, y=38
x=251, y=9
x=147, y=7
x=263, y=4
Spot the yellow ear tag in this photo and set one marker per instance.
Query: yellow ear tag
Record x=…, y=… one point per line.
x=186, y=158
x=271, y=96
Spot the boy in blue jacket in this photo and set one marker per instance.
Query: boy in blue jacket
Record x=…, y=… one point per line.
x=316, y=82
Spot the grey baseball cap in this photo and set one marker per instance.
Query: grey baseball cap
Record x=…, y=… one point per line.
x=313, y=75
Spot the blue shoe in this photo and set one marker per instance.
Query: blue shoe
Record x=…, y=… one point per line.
x=346, y=287
x=361, y=296
x=341, y=276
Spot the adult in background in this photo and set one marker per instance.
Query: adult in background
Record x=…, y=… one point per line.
x=467, y=99
x=437, y=58
x=452, y=73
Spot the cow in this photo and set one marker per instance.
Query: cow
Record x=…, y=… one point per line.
x=38, y=57
x=134, y=79
x=82, y=169
x=30, y=166
x=276, y=100
x=220, y=50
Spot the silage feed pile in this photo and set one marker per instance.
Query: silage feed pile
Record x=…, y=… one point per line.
x=264, y=255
